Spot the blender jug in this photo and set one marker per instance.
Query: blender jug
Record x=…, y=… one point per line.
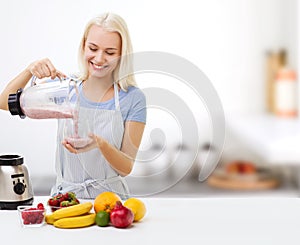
x=51, y=99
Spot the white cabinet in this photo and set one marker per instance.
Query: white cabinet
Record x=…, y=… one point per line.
x=276, y=140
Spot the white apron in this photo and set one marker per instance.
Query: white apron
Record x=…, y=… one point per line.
x=88, y=174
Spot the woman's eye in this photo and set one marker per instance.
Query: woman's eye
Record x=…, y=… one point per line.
x=93, y=49
x=110, y=53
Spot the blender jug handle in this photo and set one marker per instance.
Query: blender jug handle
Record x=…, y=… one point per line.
x=33, y=80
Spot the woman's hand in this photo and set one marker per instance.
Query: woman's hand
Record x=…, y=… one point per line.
x=44, y=68
x=93, y=144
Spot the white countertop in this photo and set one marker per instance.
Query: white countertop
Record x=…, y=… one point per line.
x=178, y=221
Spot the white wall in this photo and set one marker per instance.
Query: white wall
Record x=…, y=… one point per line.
x=226, y=39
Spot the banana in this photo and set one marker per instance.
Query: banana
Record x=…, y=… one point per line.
x=49, y=219
x=76, y=222
x=74, y=210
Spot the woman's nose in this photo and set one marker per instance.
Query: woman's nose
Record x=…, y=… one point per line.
x=100, y=57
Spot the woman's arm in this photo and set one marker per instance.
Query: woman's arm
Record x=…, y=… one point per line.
x=121, y=160
x=40, y=69
x=19, y=81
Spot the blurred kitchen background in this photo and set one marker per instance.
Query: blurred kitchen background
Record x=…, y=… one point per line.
x=248, y=49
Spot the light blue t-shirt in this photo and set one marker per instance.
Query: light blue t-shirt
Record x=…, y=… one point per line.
x=132, y=104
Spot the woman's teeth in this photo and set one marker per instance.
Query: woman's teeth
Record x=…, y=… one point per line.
x=100, y=67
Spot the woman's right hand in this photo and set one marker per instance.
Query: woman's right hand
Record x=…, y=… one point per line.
x=44, y=68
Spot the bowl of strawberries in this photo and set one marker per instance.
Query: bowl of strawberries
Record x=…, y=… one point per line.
x=32, y=216
x=62, y=200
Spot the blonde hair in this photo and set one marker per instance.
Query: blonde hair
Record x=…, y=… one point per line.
x=123, y=73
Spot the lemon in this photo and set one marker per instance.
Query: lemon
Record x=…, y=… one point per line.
x=137, y=207
x=102, y=218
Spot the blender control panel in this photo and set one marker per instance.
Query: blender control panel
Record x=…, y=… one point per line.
x=18, y=183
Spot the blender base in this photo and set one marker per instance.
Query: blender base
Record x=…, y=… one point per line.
x=7, y=205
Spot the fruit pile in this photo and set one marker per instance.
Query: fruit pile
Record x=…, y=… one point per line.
x=110, y=210
x=62, y=200
x=34, y=215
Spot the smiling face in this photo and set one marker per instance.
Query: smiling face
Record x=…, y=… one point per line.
x=101, y=52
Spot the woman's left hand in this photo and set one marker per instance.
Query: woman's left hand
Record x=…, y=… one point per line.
x=93, y=144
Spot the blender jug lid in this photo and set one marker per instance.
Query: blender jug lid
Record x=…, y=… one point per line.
x=14, y=104
x=11, y=160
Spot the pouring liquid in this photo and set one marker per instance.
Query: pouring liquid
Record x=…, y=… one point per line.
x=74, y=139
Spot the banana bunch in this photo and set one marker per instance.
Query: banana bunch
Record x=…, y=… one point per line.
x=72, y=217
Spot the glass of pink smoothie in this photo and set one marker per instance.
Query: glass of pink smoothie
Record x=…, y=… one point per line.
x=76, y=133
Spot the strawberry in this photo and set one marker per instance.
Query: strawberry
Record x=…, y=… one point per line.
x=40, y=206
x=66, y=196
x=52, y=202
x=59, y=197
x=39, y=219
x=24, y=215
x=26, y=222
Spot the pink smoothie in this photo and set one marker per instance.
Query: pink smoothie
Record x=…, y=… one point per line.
x=75, y=140
x=78, y=142
x=39, y=113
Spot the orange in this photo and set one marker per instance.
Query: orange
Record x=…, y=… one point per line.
x=137, y=207
x=106, y=201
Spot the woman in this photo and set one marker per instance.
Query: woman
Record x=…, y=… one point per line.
x=110, y=102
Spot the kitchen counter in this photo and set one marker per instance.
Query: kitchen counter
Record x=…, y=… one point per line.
x=178, y=221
